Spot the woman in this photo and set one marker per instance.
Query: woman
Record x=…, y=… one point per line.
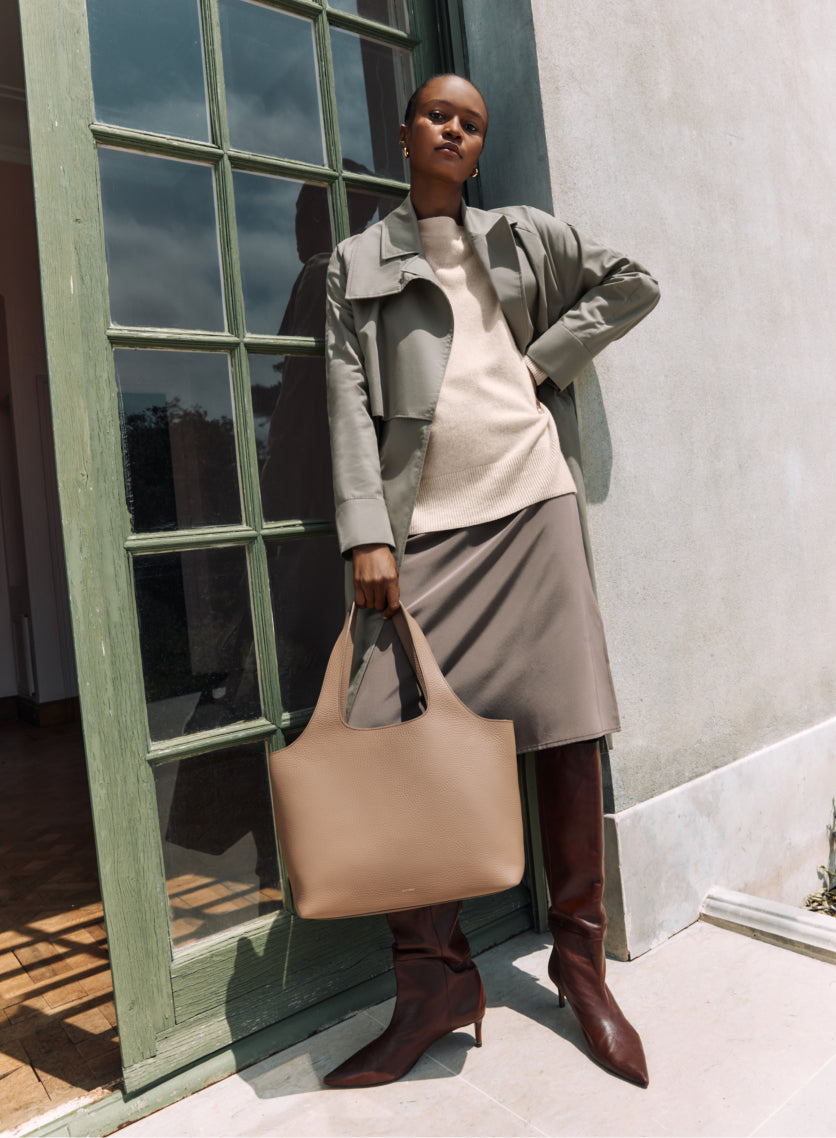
x=461, y=497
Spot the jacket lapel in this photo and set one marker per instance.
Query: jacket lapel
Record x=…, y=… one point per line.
x=392, y=254
x=493, y=243
x=389, y=256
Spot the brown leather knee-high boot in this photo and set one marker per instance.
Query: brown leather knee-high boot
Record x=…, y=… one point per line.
x=438, y=990
x=572, y=824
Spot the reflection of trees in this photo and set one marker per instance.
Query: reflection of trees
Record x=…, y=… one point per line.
x=179, y=467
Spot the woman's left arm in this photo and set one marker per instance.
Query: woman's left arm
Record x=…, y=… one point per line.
x=601, y=295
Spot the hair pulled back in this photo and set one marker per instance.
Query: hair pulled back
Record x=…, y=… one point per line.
x=409, y=113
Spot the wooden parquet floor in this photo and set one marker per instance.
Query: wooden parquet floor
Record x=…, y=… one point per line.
x=58, y=1037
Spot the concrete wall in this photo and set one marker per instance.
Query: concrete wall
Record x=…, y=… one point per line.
x=699, y=136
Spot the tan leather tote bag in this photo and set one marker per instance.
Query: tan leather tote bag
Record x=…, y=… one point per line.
x=372, y=820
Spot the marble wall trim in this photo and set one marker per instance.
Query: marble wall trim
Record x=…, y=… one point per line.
x=757, y=826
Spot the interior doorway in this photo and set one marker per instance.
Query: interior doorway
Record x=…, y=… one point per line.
x=58, y=1038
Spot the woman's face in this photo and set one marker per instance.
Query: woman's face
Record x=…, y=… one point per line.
x=446, y=136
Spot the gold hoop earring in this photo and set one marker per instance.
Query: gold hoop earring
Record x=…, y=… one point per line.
x=475, y=172
x=405, y=152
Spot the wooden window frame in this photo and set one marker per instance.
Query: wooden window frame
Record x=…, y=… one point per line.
x=175, y=1008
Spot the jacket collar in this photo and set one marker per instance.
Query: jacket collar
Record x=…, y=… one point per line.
x=386, y=268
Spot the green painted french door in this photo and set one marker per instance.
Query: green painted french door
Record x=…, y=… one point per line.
x=195, y=162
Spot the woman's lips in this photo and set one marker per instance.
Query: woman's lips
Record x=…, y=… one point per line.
x=453, y=149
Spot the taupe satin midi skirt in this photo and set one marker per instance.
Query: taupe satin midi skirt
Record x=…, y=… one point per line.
x=510, y=614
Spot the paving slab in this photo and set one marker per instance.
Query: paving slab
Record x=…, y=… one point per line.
x=739, y=1038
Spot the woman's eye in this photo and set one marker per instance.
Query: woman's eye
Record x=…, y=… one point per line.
x=471, y=127
x=436, y=115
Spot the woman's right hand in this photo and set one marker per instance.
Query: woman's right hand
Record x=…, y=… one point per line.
x=376, y=583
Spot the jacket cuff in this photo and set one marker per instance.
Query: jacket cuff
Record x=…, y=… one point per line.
x=363, y=521
x=560, y=354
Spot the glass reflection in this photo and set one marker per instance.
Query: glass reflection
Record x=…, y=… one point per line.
x=196, y=640
x=219, y=846
x=373, y=83
x=291, y=421
x=161, y=239
x=147, y=65
x=390, y=12
x=271, y=80
x=280, y=225
x=178, y=439
x=307, y=589
x=364, y=209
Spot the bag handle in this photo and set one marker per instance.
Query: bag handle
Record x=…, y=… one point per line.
x=333, y=695
x=417, y=650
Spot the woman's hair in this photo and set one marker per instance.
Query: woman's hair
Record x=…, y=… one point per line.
x=409, y=113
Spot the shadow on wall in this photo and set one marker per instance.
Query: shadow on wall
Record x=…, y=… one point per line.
x=596, y=443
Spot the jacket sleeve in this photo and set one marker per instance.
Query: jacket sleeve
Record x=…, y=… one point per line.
x=602, y=295
x=361, y=513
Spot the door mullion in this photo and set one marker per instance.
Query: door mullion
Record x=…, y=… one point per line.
x=95, y=520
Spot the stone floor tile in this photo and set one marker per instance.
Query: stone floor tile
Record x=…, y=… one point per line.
x=715, y=1010
x=284, y=1096
x=734, y=1031
x=810, y=1110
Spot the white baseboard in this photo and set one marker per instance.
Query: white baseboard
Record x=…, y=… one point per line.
x=757, y=826
x=801, y=930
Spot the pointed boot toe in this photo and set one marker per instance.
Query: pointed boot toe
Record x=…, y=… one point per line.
x=438, y=990
x=621, y=1054
x=363, y=1069
x=577, y=969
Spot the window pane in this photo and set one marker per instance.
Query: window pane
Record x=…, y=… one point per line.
x=196, y=639
x=272, y=89
x=373, y=83
x=364, y=209
x=147, y=65
x=178, y=439
x=161, y=238
x=284, y=242
x=291, y=423
x=307, y=587
x=390, y=12
x=219, y=846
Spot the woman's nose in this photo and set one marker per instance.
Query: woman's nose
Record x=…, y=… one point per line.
x=453, y=129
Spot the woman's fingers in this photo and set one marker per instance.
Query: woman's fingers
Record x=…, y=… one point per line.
x=393, y=599
x=376, y=579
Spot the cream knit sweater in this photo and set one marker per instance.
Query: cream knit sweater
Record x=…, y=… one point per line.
x=492, y=449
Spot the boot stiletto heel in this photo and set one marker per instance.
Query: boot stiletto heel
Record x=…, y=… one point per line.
x=571, y=823
x=438, y=990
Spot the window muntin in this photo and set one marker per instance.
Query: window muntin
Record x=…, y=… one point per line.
x=284, y=241
x=271, y=80
x=220, y=213
x=218, y=843
x=196, y=640
x=392, y=12
x=162, y=241
x=373, y=82
x=147, y=65
x=178, y=439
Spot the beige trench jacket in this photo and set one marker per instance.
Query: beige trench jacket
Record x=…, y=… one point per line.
x=389, y=328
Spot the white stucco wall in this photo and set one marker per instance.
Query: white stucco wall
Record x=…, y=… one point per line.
x=700, y=136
